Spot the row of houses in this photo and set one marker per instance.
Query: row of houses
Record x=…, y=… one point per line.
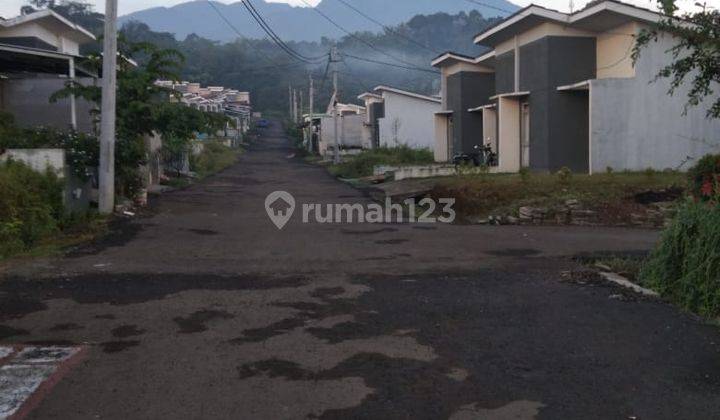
x=39, y=54
x=553, y=90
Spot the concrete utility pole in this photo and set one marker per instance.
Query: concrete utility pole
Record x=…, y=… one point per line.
x=333, y=61
x=295, y=106
x=300, y=112
x=311, y=99
x=106, y=188
x=290, y=100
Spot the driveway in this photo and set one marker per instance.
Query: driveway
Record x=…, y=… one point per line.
x=204, y=309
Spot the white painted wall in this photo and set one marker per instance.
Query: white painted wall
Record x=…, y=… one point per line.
x=408, y=121
x=636, y=125
x=35, y=29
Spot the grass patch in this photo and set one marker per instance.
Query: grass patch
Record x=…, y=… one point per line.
x=214, y=158
x=614, y=195
x=685, y=267
x=362, y=164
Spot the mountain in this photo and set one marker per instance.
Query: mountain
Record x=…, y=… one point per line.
x=299, y=23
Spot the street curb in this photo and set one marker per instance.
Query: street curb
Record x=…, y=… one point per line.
x=623, y=282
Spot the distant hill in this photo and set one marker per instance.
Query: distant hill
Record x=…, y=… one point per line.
x=299, y=23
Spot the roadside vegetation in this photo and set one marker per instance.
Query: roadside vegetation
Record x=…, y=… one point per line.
x=33, y=219
x=362, y=164
x=615, y=196
x=214, y=158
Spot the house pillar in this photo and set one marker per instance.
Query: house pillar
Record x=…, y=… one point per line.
x=73, y=108
x=509, y=134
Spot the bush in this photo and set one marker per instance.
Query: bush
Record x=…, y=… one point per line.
x=214, y=158
x=364, y=163
x=704, y=178
x=30, y=208
x=685, y=267
x=564, y=175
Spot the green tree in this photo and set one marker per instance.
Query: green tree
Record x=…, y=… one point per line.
x=696, y=55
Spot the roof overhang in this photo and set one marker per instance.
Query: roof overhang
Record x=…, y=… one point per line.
x=57, y=22
x=408, y=94
x=444, y=113
x=450, y=58
x=579, y=86
x=598, y=17
x=482, y=108
x=510, y=95
x=368, y=95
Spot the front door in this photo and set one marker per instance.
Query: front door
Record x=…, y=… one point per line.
x=525, y=134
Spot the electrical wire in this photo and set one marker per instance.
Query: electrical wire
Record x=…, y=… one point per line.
x=388, y=29
x=357, y=38
x=274, y=36
x=385, y=63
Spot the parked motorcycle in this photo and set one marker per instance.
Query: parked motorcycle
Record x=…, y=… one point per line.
x=480, y=156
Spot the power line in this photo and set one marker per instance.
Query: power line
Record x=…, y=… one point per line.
x=239, y=34
x=385, y=63
x=387, y=28
x=352, y=35
x=275, y=37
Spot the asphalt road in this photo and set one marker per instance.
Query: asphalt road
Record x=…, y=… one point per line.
x=204, y=309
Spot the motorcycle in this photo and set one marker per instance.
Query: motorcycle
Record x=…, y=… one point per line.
x=480, y=156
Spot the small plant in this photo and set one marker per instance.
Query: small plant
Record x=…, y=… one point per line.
x=609, y=170
x=704, y=178
x=564, y=175
x=524, y=175
x=650, y=172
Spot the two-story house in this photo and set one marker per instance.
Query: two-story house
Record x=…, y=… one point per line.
x=567, y=93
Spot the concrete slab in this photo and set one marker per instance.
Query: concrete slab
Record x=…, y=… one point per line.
x=18, y=383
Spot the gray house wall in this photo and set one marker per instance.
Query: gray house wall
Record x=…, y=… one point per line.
x=467, y=90
x=636, y=124
x=28, y=99
x=505, y=72
x=559, y=128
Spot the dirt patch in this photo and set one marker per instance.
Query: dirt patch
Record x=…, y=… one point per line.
x=195, y=322
x=520, y=252
x=117, y=346
x=344, y=331
x=6, y=332
x=256, y=335
x=124, y=331
x=276, y=368
x=392, y=241
x=327, y=292
x=658, y=196
x=66, y=327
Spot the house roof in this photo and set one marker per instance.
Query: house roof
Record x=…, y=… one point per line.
x=369, y=95
x=57, y=22
x=14, y=58
x=450, y=58
x=409, y=94
x=597, y=16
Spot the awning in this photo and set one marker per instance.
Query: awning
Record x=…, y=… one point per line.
x=444, y=113
x=510, y=95
x=579, y=86
x=482, y=107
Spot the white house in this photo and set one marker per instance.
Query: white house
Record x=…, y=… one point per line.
x=409, y=118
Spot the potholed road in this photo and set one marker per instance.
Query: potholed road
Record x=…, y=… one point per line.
x=204, y=309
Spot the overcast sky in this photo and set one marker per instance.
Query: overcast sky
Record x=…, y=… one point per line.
x=11, y=8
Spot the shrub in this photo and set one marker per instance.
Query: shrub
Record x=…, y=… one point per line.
x=685, y=267
x=363, y=164
x=30, y=208
x=524, y=175
x=214, y=158
x=564, y=175
x=704, y=178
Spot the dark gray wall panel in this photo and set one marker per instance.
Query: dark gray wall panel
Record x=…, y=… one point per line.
x=505, y=72
x=468, y=90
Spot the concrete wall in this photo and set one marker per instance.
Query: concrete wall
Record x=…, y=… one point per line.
x=509, y=134
x=468, y=90
x=635, y=124
x=505, y=73
x=408, y=121
x=558, y=120
x=350, y=134
x=76, y=195
x=440, y=150
x=29, y=101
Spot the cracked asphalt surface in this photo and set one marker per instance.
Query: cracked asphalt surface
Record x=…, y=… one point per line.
x=203, y=309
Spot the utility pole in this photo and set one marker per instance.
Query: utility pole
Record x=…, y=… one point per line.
x=300, y=113
x=290, y=100
x=333, y=61
x=311, y=99
x=295, y=108
x=106, y=187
